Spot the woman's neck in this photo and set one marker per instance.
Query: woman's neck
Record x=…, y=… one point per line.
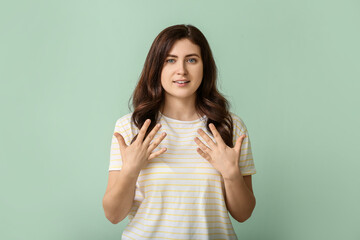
x=180, y=110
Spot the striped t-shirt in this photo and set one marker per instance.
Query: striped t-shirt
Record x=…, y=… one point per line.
x=179, y=194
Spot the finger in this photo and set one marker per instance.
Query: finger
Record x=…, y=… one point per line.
x=155, y=154
x=203, y=147
x=239, y=142
x=151, y=135
x=206, y=138
x=156, y=142
x=121, y=140
x=204, y=154
x=142, y=131
x=216, y=135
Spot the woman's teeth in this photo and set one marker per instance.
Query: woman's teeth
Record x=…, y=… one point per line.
x=182, y=81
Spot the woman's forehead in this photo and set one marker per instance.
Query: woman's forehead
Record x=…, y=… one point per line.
x=184, y=47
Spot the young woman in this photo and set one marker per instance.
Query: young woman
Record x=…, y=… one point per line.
x=181, y=160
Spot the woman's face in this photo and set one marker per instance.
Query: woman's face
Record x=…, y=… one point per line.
x=182, y=63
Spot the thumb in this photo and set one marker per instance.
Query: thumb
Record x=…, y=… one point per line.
x=121, y=140
x=239, y=142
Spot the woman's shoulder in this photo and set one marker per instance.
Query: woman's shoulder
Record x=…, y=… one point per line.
x=238, y=122
x=124, y=120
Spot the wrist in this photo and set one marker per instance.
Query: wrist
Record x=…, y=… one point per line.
x=233, y=175
x=130, y=172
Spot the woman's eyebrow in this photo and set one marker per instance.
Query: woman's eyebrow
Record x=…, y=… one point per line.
x=189, y=55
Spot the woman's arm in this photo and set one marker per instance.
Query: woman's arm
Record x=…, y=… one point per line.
x=239, y=196
x=119, y=195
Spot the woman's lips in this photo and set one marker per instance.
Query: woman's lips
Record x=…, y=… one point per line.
x=181, y=84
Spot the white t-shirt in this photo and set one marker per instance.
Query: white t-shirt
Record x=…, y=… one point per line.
x=179, y=194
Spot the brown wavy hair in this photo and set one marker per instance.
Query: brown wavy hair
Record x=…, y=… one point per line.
x=148, y=95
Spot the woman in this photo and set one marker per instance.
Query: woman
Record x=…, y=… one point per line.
x=180, y=182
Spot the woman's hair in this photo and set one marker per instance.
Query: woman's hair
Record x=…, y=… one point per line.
x=148, y=95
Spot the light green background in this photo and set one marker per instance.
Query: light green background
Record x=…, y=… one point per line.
x=289, y=68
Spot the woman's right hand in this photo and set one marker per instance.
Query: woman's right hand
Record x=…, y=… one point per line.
x=136, y=156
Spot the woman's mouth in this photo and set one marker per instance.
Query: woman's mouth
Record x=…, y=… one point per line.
x=181, y=83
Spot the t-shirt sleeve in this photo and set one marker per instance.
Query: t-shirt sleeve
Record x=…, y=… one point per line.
x=115, y=155
x=246, y=162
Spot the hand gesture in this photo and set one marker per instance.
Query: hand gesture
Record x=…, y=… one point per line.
x=222, y=157
x=136, y=156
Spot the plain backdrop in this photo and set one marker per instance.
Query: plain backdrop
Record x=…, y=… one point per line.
x=290, y=69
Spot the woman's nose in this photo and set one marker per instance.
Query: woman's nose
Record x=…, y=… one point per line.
x=182, y=68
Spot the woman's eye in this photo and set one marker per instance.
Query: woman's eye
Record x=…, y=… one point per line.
x=191, y=60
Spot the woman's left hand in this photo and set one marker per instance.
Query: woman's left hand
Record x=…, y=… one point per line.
x=222, y=157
